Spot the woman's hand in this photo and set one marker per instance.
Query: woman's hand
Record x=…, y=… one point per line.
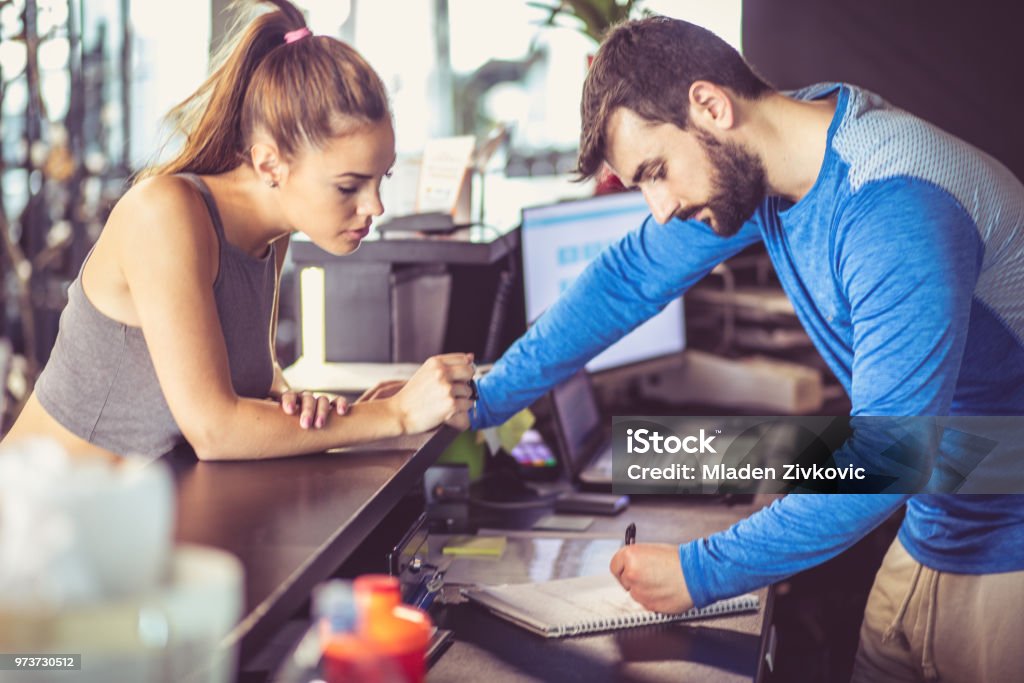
x=438, y=393
x=311, y=408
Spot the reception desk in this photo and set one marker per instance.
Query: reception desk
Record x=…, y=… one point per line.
x=293, y=521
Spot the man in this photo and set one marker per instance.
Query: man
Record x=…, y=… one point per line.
x=902, y=250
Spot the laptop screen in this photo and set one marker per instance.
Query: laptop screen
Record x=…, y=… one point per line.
x=559, y=240
x=578, y=420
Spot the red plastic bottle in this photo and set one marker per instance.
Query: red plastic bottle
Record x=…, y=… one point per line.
x=397, y=632
x=347, y=658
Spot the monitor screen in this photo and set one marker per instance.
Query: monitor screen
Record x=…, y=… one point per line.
x=559, y=240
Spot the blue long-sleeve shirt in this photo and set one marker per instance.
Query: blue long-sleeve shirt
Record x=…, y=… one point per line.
x=905, y=264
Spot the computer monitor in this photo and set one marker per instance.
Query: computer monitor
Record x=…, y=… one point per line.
x=559, y=240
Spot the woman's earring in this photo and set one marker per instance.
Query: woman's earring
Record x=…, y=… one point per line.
x=271, y=183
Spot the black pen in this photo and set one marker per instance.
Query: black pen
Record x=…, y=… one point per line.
x=631, y=534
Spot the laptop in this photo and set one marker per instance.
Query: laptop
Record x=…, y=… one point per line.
x=584, y=440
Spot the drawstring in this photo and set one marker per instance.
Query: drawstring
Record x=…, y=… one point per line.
x=927, y=661
x=897, y=623
x=928, y=669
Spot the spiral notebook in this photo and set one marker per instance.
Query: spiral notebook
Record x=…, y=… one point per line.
x=586, y=604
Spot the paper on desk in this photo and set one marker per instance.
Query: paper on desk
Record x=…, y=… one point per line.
x=538, y=556
x=445, y=164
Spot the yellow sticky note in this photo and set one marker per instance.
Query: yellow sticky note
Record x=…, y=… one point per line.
x=481, y=546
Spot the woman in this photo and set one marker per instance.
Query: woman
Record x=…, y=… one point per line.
x=169, y=328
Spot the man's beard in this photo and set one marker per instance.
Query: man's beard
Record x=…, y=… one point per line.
x=738, y=184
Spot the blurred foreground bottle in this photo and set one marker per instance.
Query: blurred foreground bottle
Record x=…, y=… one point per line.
x=347, y=658
x=398, y=633
x=367, y=635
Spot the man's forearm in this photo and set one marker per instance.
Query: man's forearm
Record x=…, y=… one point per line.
x=795, y=533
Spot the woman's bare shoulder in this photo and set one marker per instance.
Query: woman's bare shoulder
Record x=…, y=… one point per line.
x=163, y=214
x=171, y=199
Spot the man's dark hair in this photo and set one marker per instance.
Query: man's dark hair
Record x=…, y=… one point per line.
x=648, y=66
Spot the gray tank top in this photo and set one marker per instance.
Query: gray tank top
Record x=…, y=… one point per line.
x=100, y=382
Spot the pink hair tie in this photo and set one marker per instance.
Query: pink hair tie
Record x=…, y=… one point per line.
x=297, y=34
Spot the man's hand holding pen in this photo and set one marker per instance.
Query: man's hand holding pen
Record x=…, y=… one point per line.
x=652, y=574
